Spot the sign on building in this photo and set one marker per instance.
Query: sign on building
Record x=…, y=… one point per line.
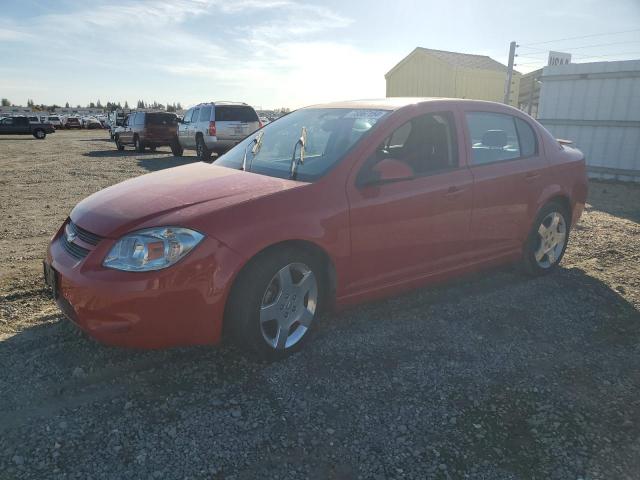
x=559, y=58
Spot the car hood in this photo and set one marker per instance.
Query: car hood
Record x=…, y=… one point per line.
x=127, y=205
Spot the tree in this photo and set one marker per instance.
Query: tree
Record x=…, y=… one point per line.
x=178, y=106
x=6, y=102
x=30, y=103
x=126, y=105
x=98, y=104
x=66, y=105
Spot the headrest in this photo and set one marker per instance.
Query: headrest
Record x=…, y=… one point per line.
x=494, y=138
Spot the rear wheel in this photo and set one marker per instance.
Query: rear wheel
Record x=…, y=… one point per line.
x=547, y=240
x=204, y=154
x=40, y=134
x=275, y=302
x=138, y=144
x=176, y=149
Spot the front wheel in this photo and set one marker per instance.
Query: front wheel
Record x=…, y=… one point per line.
x=40, y=134
x=547, y=240
x=119, y=144
x=275, y=303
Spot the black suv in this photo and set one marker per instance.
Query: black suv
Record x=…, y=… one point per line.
x=22, y=126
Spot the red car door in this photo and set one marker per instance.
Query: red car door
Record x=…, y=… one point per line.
x=405, y=230
x=509, y=173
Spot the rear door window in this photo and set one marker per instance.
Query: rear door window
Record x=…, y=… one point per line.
x=205, y=114
x=161, y=119
x=241, y=113
x=493, y=137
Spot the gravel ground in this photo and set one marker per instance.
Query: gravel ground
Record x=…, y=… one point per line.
x=495, y=376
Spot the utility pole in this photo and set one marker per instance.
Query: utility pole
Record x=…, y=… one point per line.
x=534, y=79
x=507, y=86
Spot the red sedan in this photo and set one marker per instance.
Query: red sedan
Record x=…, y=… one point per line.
x=328, y=206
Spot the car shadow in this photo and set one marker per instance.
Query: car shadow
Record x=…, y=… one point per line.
x=111, y=153
x=14, y=138
x=621, y=199
x=153, y=164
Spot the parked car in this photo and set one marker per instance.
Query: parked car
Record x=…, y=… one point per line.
x=91, y=123
x=115, y=120
x=33, y=119
x=328, y=206
x=23, y=126
x=216, y=127
x=149, y=130
x=55, y=120
x=72, y=122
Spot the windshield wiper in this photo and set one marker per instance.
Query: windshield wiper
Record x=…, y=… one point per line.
x=302, y=141
x=257, y=143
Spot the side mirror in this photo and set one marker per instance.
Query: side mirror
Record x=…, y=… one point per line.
x=388, y=170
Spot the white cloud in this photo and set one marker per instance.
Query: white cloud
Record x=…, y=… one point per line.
x=288, y=54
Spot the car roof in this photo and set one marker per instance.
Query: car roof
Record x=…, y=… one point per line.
x=223, y=102
x=396, y=103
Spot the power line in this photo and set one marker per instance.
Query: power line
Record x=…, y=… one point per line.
x=583, y=36
x=584, y=46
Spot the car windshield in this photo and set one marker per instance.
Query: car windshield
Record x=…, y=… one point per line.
x=331, y=133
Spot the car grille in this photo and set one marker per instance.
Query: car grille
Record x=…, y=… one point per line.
x=72, y=248
x=84, y=235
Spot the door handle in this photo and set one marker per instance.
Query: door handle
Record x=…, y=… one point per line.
x=531, y=176
x=453, y=192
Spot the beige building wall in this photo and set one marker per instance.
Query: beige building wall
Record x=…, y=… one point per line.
x=485, y=85
x=422, y=75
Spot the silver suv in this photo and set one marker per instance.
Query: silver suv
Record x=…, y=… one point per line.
x=216, y=127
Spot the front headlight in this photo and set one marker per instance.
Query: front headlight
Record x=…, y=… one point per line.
x=151, y=249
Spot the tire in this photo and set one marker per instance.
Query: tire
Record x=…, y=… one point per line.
x=203, y=153
x=176, y=149
x=548, y=240
x=40, y=134
x=257, y=293
x=119, y=144
x=138, y=144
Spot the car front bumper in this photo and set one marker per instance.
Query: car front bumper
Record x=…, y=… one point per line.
x=178, y=306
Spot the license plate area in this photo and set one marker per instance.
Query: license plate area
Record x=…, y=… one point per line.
x=51, y=279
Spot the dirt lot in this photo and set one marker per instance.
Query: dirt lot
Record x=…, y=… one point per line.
x=496, y=376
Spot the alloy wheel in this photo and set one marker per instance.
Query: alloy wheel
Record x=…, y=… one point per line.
x=552, y=237
x=288, y=306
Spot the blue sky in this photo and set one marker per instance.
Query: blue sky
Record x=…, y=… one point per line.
x=274, y=53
